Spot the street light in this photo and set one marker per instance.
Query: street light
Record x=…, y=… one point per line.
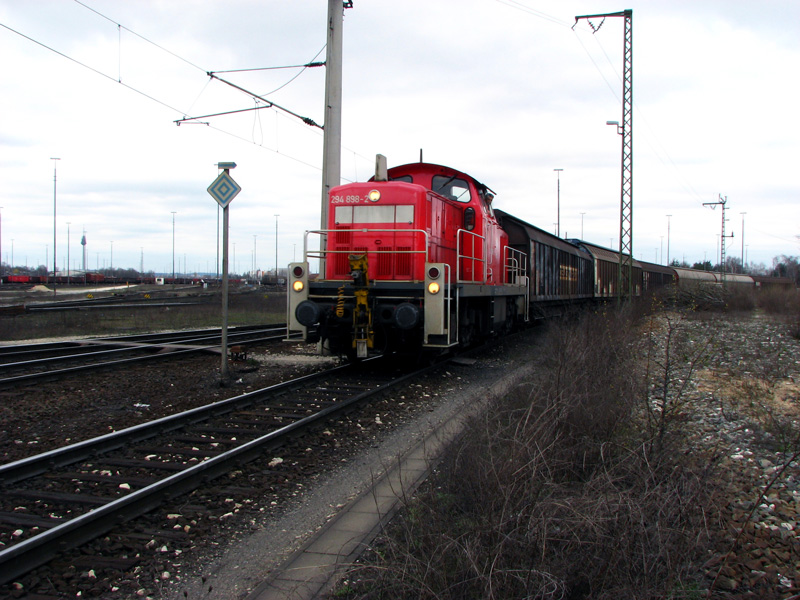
x=173, y=246
x=276, y=249
x=668, y=223
x=1, y=246
x=558, y=205
x=68, y=252
x=743, y=214
x=583, y=213
x=55, y=173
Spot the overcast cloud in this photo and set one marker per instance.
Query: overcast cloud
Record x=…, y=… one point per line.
x=505, y=90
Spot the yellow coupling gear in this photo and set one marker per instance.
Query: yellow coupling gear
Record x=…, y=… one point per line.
x=363, y=334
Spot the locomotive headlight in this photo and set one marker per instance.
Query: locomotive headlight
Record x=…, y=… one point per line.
x=374, y=195
x=297, y=286
x=433, y=287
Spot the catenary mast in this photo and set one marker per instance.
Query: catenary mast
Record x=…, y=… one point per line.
x=332, y=136
x=626, y=283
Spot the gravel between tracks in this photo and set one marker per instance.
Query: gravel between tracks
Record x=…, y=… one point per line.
x=240, y=534
x=745, y=404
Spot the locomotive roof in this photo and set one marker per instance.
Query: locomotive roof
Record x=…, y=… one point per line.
x=433, y=169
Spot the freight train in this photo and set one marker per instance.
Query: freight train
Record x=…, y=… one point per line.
x=418, y=258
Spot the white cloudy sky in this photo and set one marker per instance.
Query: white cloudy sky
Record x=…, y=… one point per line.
x=505, y=90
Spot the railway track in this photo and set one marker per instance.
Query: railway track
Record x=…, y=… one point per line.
x=28, y=362
x=63, y=498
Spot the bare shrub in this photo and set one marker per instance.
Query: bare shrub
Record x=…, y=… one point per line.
x=553, y=492
x=672, y=358
x=778, y=301
x=739, y=298
x=783, y=302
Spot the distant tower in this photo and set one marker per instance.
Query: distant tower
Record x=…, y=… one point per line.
x=83, y=243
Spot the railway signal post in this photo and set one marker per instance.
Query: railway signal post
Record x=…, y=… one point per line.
x=223, y=190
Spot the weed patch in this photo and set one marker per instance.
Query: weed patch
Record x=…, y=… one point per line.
x=565, y=488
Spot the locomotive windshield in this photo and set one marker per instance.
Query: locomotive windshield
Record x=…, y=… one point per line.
x=345, y=215
x=451, y=188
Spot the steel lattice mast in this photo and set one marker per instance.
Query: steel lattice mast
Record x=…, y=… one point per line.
x=626, y=287
x=721, y=202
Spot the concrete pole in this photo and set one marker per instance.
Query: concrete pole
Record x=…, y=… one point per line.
x=332, y=138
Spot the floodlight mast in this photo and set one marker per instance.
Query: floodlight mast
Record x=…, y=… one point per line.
x=625, y=273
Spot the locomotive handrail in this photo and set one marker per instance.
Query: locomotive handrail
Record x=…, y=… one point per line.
x=323, y=254
x=473, y=259
x=516, y=266
x=517, y=271
x=450, y=290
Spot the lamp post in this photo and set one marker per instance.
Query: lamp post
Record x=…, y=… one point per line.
x=583, y=213
x=276, y=249
x=558, y=202
x=743, y=214
x=111, y=260
x=1, y=248
x=668, y=223
x=173, y=246
x=255, y=276
x=55, y=177
x=68, y=252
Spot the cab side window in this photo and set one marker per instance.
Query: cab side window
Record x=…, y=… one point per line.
x=451, y=188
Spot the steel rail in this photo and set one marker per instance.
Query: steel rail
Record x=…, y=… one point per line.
x=101, y=348
x=79, y=345
x=8, y=381
x=35, y=551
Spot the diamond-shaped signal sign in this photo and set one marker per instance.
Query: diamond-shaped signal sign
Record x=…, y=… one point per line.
x=224, y=189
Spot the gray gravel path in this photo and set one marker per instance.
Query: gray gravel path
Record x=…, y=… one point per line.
x=253, y=556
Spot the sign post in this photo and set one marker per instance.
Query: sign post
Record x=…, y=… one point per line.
x=223, y=190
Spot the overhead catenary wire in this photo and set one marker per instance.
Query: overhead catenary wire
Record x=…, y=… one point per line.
x=309, y=65
x=120, y=26
x=269, y=104
x=153, y=98
x=84, y=65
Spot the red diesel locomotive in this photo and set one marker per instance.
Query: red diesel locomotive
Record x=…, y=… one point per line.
x=413, y=258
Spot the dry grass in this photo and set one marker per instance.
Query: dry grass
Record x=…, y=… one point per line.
x=559, y=490
x=784, y=303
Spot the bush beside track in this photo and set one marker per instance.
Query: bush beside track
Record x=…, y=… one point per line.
x=617, y=473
